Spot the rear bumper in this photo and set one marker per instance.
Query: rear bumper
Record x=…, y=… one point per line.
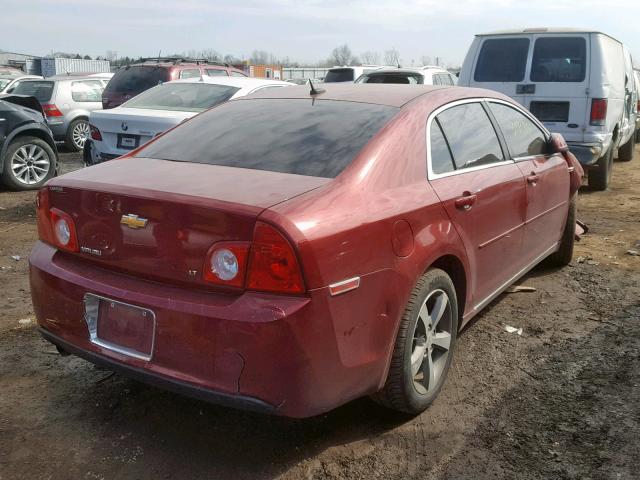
x=281, y=354
x=91, y=156
x=587, y=154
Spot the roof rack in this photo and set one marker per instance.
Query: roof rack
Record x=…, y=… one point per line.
x=178, y=60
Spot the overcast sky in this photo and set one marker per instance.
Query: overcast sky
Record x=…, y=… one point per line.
x=305, y=31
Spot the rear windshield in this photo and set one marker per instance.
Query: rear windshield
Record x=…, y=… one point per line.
x=402, y=78
x=558, y=59
x=502, y=60
x=305, y=137
x=134, y=80
x=184, y=97
x=41, y=90
x=339, y=75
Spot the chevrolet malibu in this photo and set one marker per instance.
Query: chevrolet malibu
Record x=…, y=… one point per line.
x=294, y=250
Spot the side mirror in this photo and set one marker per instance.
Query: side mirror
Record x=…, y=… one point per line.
x=557, y=144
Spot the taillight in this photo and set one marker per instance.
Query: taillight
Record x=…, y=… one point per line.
x=55, y=227
x=638, y=105
x=95, y=133
x=50, y=110
x=598, y=111
x=273, y=265
x=226, y=263
x=267, y=264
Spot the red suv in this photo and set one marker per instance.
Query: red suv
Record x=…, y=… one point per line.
x=131, y=80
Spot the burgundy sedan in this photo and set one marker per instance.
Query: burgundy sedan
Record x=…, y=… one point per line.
x=289, y=252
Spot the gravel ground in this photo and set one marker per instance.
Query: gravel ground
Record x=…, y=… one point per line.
x=561, y=401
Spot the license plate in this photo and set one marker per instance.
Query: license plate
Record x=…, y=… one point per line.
x=128, y=142
x=120, y=327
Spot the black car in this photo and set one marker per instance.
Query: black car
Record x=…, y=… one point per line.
x=28, y=155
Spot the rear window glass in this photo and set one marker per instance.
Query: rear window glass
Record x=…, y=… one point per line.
x=134, y=80
x=441, y=160
x=402, y=78
x=502, y=60
x=41, y=90
x=558, y=59
x=523, y=137
x=87, y=91
x=184, y=97
x=191, y=73
x=213, y=72
x=339, y=75
x=305, y=137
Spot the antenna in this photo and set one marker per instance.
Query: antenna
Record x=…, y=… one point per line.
x=314, y=90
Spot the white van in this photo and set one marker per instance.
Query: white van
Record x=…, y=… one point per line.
x=579, y=83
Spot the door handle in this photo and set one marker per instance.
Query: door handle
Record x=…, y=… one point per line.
x=466, y=201
x=533, y=178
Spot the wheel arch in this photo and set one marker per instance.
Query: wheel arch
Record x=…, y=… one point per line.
x=454, y=267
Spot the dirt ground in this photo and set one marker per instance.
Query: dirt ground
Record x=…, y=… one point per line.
x=562, y=401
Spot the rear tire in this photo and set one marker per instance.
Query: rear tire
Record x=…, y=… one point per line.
x=424, y=346
x=77, y=133
x=627, y=151
x=600, y=173
x=563, y=256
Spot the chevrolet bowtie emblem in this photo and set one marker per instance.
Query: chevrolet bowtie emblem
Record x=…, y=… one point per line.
x=133, y=221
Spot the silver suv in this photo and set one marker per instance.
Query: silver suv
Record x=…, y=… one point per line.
x=67, y=101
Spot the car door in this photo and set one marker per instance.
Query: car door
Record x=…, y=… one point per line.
x=546, y=175
x=482, y=192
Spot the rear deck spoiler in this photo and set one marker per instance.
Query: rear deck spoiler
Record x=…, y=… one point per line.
x=26, y=101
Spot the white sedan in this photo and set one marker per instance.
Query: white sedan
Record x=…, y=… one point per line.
x=117, y=131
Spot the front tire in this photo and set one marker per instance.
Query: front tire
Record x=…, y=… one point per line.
x=424, y=345
x=600, y=173
x=627, y=151
x=28, y=163
x=77, y=134
x=564, y=255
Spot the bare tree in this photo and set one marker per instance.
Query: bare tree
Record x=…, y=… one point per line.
x=425, y=60
x=370, y=57
x=392, y=57
x=111, y=55
x=211, y=55
x=341, y=55
x=259, y=57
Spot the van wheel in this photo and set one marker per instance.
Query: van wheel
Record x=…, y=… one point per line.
x=600, y=173
x=563, y=256
x=77, y=134
x=626, y=152
x=424, y=346
x=28, y=163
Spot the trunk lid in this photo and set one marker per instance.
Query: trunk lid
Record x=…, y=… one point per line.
x=124, y=129
x=157, y=219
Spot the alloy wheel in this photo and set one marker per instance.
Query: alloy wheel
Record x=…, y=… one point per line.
x=80, y=134
x=431, y=341
x=30, y=164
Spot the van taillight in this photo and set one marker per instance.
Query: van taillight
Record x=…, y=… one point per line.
x=598, y=111
x=50, y=110
x=267, y=264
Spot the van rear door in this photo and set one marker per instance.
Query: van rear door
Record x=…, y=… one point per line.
x=559, y=75
x=501, y=65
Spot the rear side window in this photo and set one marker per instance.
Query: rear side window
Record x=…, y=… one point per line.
x=41, y=90
x=339, y=75
x=559, y=59
x=470, y=135
x=184, y=97
x=305, y=137
x=441, y=160
x=401, y=78
x=87, y=91
x=502, y=60
x=442, y=79
x=215, y=72
x=523, y=137
x=134, y=80
x=190, y=73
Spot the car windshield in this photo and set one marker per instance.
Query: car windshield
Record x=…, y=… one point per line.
x=134, y=80
x=557, y=59
x=304, y=137
x=184, y=97
x=392, y=77
x=42, y=90
x=339, y=75
x=502, y=60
